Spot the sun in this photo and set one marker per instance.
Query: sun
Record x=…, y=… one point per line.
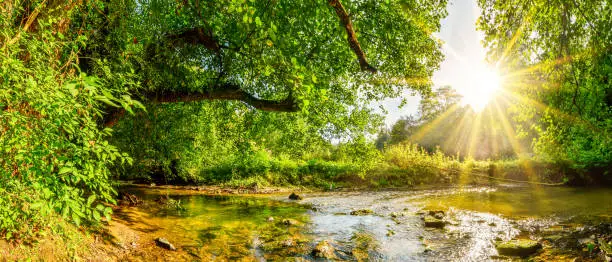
x=484, y=84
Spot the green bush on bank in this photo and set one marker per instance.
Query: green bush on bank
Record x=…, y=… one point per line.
x=54, y=158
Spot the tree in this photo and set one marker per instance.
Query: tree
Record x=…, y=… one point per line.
x=559, y=65
x=438, y=102
x=279, y=56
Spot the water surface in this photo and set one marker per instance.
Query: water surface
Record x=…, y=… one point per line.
x=240, y=227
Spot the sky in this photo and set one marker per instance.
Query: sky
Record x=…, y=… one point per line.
x=464, y=57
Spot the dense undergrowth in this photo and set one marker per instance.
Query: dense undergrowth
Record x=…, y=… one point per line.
x=401, y=165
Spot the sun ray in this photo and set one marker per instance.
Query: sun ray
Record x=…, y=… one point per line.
x=425, y=129
x=517, y=34
x=538, y=66
x=542, y=107
x=524, y=161
x=494, y=141
x=475, y=133
x=455, y=135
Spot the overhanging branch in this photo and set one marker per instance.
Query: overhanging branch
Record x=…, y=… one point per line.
x=197, y=36
x=222, y=92
x=346, y=22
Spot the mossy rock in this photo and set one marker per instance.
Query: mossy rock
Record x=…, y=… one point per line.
x=362, y=212
x=433, y=222
x=324, y=250
x=518, y=247
x=290, y=222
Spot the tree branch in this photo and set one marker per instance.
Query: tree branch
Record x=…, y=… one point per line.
x=197, y=36
x=346, y=22
x=223, y=92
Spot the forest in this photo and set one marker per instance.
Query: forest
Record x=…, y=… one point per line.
x=289, y=96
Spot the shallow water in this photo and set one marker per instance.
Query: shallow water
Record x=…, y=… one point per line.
x=237, y=227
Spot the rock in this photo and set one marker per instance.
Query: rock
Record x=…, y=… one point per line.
x=295, y=196
x=396, y=214
x=518, y=247
x=290, y=222
x=439, y=214
x=433, y=222
x=324, y=250
x=270, y=219
x=162, y=242
x=287, y=242
x=362, y=212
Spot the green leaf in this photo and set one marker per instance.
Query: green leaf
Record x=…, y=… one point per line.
x=76, y=219
x=91, y=199
x=96, y=215
x=65, y=169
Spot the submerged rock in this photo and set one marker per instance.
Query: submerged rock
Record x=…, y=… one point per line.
x=362, y=212
x=433, y=222
x=295, y=196
x=162, y=242
x=518, y=247
x=324, y=250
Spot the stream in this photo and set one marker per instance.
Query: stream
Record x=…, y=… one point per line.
x=374, y=225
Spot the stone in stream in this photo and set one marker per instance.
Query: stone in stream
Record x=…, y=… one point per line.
x=518, y=247
x=324, y=250
x=162, y=242
x=295, y=196
x=362, y=212
x=431, y=221
x=439, y=214
x=290, y=222
x=396, y=214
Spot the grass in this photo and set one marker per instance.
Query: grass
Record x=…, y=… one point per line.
x=401, y=165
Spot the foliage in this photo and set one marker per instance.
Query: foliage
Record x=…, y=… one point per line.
x=55, y=157
x=559, y=67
